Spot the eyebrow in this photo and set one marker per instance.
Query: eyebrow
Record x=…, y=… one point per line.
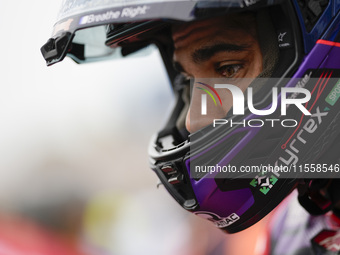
x=206, y=52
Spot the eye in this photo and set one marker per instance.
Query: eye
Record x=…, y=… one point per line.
x=229, y=71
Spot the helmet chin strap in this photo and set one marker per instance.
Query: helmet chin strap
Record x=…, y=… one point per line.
x=318, y=196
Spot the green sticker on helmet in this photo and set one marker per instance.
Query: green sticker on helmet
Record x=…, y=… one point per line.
x=334, y=95
x=266, y=183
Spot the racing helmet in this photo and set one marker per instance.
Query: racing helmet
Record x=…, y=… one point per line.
x=300, y=44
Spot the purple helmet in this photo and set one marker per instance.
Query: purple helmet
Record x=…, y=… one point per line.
x=232, y=175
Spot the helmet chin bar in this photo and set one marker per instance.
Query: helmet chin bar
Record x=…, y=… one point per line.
x=167, y=150
x=172, y=174
x=214, y=194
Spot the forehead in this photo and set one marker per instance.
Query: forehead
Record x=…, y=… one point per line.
x=228, y=27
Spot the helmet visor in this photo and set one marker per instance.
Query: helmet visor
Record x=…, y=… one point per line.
x=78, y=19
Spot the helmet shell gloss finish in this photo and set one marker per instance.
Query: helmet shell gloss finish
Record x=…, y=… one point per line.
x=312, y=49
x=241, y=206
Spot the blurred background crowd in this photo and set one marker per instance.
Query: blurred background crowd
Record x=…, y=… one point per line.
x=74, y=173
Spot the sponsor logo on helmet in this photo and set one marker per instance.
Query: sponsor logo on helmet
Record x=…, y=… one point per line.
x=301, y=135
x=284, y=39
x=280, y=36
x=334, y=95
x=301, y=84
x=301, y=139
x=217, y=220
x=88, y=19
x=265, y=182
x=127, y=12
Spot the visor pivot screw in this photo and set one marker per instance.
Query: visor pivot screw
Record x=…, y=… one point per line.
x=176, y=179
x=168, y=170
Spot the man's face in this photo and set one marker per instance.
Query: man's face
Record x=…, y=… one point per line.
x=223, y=47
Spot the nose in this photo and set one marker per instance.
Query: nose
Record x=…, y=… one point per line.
x=206, y=104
